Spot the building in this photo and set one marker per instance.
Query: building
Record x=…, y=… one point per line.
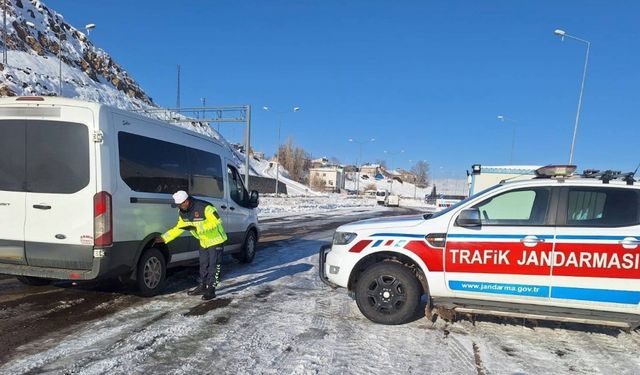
x=370, y=169
x=327, y=178
x=319, y=163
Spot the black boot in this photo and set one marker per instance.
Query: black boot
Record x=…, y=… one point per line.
x=209, y=293
x=200, y=289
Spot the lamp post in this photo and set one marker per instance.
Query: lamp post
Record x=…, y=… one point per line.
x=280, y=114
x=504, y=118
x=562, y=34
x=360, y=143
x=4, y=33
x=59, y=59
x=392, y=154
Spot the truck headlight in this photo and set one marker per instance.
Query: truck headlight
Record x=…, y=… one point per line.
x=343, y=238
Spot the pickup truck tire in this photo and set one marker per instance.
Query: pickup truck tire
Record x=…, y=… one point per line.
x=248, y=248
x=388, y=293
x=33, y=281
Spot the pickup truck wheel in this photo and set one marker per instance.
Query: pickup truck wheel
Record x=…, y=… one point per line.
x=33, y=281
x=152, y=270
x=248, y=248
x=388, y=293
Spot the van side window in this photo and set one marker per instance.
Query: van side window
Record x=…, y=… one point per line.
x=602, y=207
x=206, y=174
x=237, y=192
x=152, y=166
x=516, y=207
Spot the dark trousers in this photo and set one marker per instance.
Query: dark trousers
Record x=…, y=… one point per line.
x=210, y=260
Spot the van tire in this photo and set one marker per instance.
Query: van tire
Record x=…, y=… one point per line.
x=33, y=281
x=388, y=293
x=151, y=272
x=248, y=248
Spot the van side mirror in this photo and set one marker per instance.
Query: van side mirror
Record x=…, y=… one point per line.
x=254, y=199
x=469, y=217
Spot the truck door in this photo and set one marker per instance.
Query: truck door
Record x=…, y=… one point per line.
x=61, y=184
x=597, y=252
x=238, y=215
x=12, y=190
x=508, y=256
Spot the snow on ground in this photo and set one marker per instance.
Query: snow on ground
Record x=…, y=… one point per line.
x=337, y=204
x=406, y=189
x=276, y=317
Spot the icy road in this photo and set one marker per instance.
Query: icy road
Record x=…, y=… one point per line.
x=276, y=317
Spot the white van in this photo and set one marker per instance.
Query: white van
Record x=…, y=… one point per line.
x=85, y=189
x=381, y=196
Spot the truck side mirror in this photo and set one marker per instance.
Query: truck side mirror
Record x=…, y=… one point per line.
x=254, y=199
x=469, y=217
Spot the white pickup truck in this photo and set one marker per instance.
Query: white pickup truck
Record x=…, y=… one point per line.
x=557, y=247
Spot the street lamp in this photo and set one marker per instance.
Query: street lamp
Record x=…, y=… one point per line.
x=360, y=143
x=504, y=118
x=562, y=34
x=280, y=114
x=89, y=27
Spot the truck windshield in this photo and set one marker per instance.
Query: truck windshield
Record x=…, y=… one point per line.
x=448, y=209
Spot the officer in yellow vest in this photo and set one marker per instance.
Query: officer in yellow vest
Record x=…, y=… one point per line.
x=202, y=220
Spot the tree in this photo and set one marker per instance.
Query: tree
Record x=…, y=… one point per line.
x=421, y=172
x=317, y=182
x=382, y=163
x=295, y=160
x=334, y=160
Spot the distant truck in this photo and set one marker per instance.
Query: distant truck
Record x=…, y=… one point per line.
x=392, y=200
x=484, y=176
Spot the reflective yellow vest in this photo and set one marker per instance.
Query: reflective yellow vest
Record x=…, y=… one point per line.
x=203, y=221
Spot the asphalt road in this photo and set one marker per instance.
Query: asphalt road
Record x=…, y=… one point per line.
x=29, y=314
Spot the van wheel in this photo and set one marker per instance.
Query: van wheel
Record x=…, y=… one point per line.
x=33, y=281
x=152, y=270
x=248, y=248
x=388, y=293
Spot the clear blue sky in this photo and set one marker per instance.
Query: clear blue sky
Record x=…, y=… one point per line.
x=428, y=77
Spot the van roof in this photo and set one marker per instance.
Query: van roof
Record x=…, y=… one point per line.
x=62, y=101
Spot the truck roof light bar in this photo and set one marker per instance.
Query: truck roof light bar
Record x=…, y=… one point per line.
x=555, y=171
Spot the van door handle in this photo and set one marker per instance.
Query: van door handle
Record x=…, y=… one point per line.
x=531, y=241
x=223, y=207
x=630, y=243
x=42, y=206
x=232, y=208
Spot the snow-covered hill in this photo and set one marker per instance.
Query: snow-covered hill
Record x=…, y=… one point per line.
x=35, y=35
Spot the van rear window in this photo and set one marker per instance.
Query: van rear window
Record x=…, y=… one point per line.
x=43, y=156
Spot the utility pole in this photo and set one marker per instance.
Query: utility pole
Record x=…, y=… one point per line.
x=247, y=144
x=178, y=88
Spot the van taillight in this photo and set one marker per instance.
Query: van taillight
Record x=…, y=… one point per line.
x=102, y=219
